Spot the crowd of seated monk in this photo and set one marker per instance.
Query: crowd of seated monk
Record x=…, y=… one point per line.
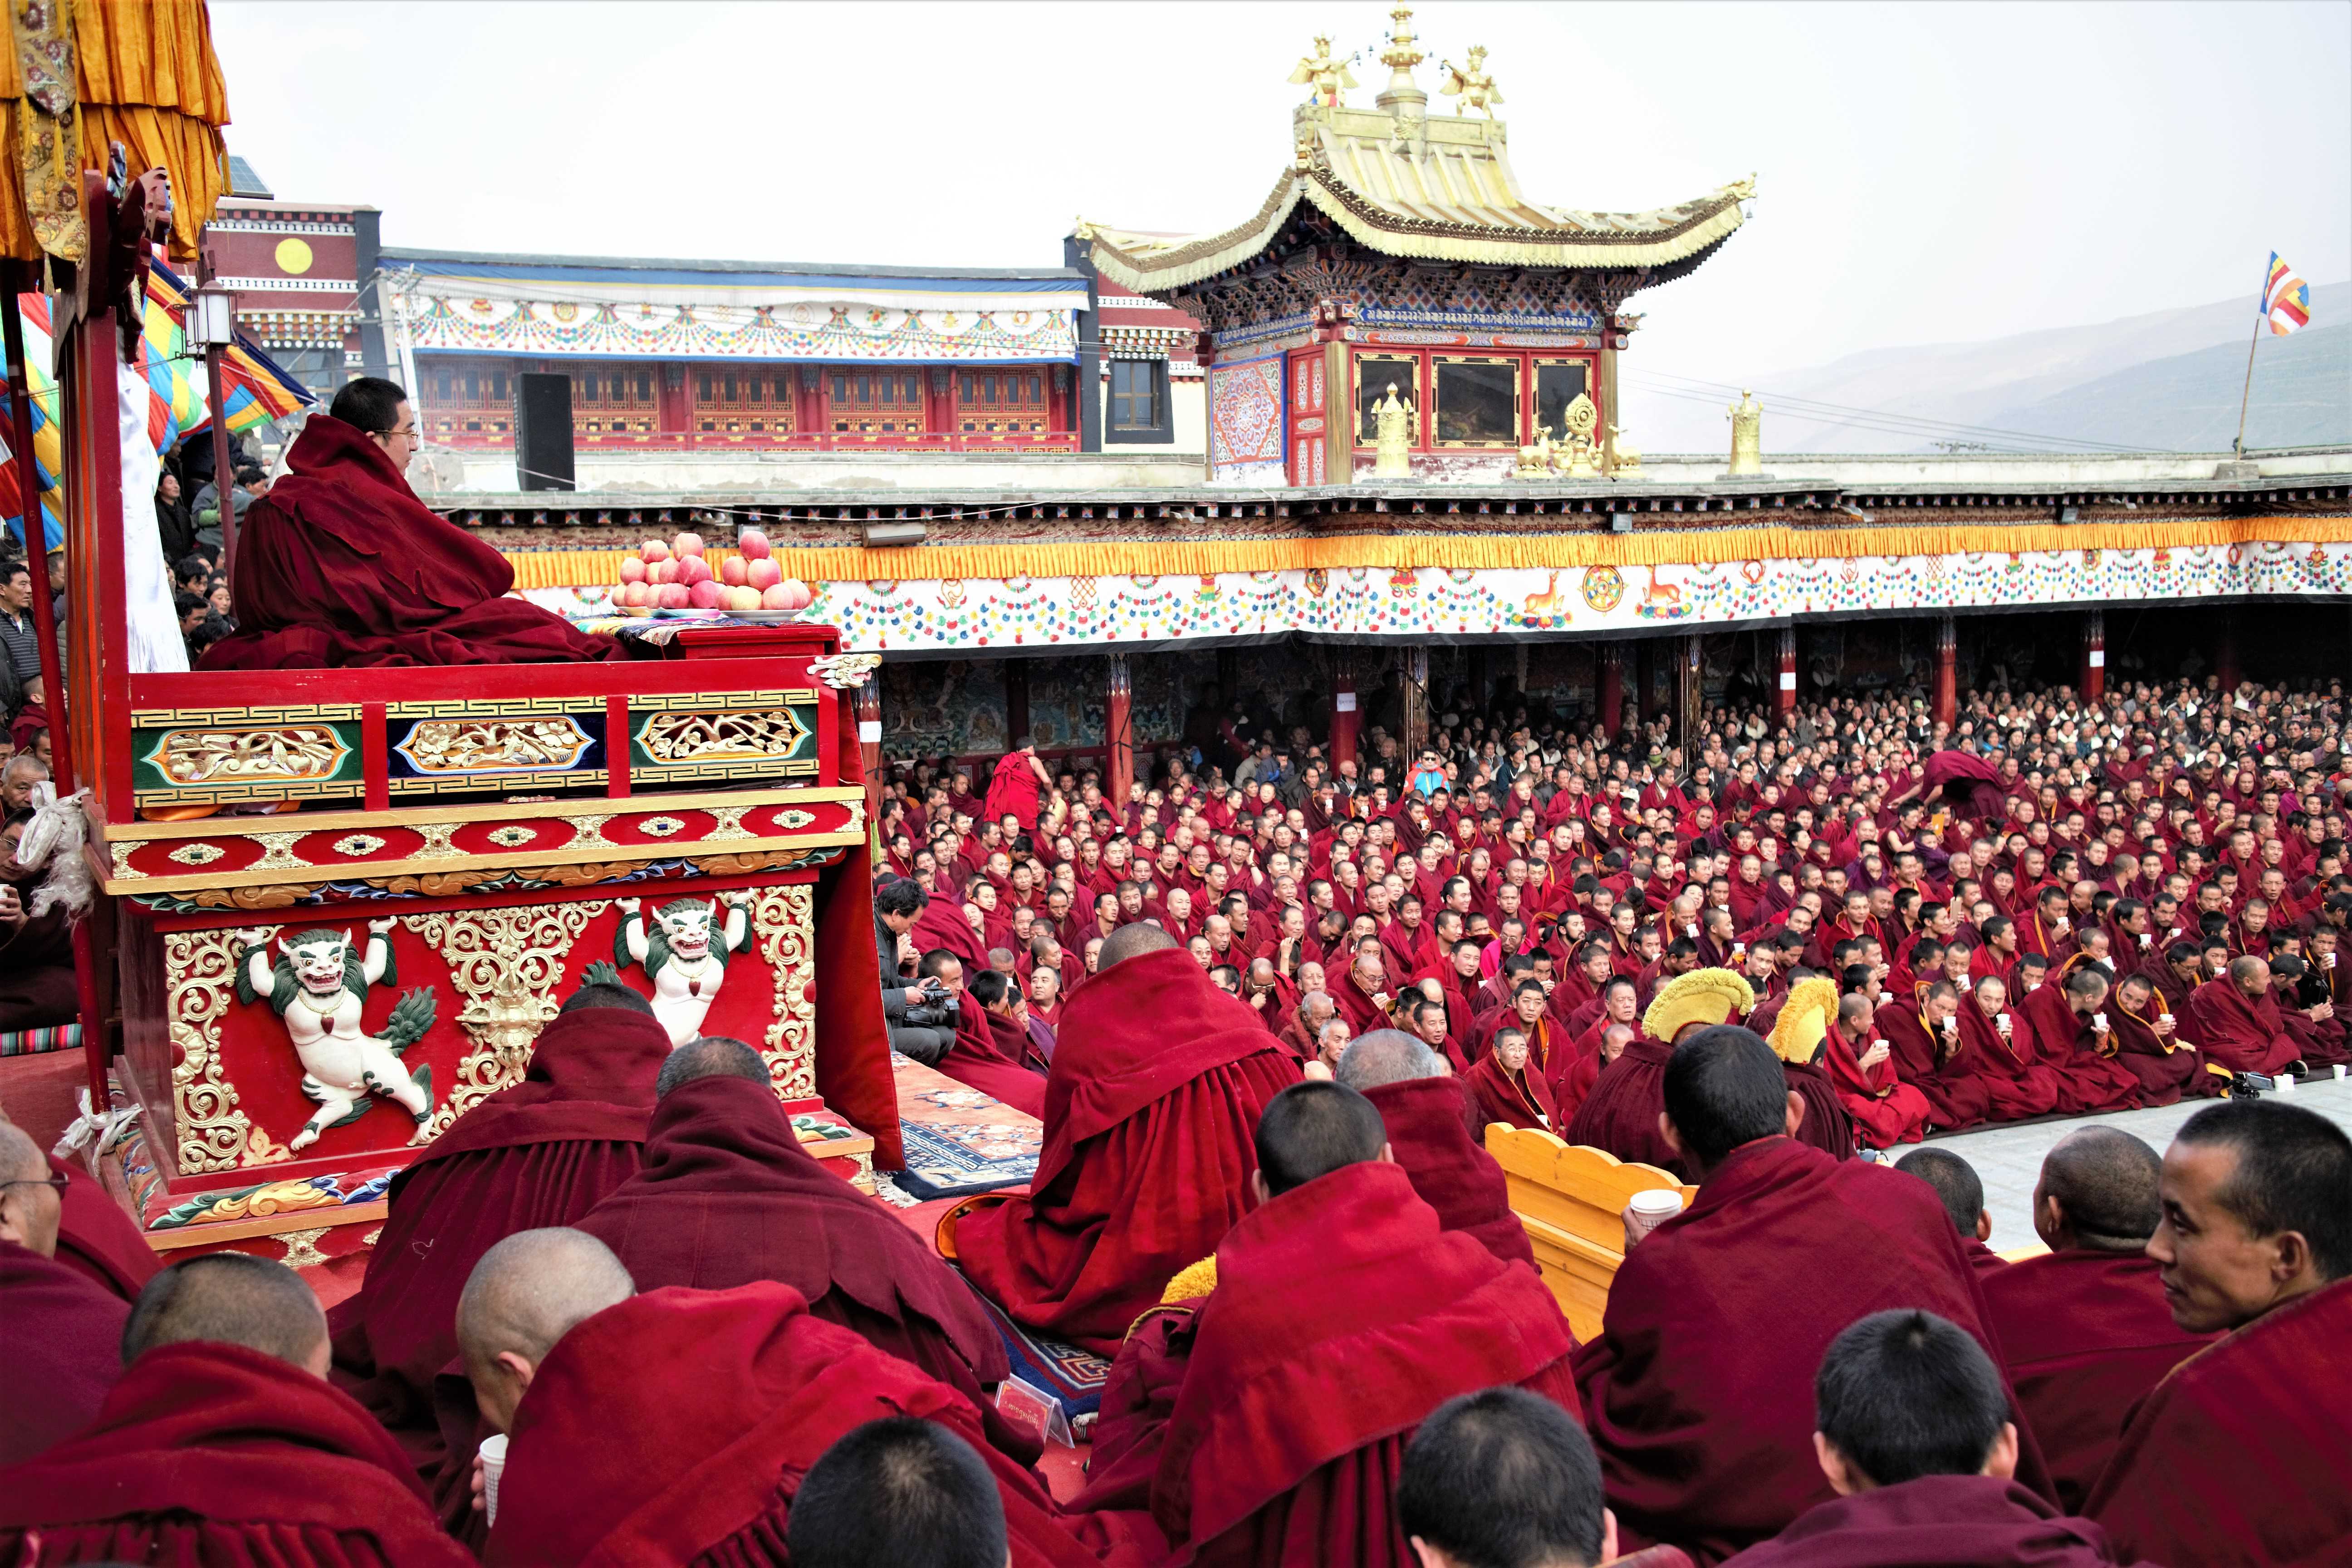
x=1329, y=1343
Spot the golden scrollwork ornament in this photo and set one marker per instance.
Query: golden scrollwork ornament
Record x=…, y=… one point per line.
x=504, y=964
x=783, y=925
x=213, y=1134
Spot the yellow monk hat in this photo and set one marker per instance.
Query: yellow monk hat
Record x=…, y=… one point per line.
x=1804, y=1020
x=1701, y=997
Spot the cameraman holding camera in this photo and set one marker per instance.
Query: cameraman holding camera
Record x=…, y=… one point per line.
x=920, y=1013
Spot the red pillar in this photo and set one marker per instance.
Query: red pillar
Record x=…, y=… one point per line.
x=869, y=743
x=1347, y=723
x=1016, y=699
x=2225, y=653
x=1613, y=690
x=1118, y=728
x=1784, y=701
x=1948, y=642
x=2094, y=656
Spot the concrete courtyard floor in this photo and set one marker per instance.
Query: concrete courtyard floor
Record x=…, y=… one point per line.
x=2009, y=1159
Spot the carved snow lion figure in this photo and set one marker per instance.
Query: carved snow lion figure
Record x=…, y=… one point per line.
x=319, y=985
x=679, y=955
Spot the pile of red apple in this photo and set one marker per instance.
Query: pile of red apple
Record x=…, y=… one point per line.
x=675, y=576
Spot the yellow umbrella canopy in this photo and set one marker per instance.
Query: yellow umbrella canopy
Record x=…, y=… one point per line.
x=79, y=74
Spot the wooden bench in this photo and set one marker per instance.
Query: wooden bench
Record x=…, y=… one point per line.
x=1572, y=1197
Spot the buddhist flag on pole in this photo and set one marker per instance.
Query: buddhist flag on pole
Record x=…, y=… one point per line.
x=2286, y=299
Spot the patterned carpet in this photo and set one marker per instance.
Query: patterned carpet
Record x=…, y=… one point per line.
x=958, y=1140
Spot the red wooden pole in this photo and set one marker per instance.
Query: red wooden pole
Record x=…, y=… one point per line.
x=2094, y=656
x=1119, y=726
x=1613, y=690
x=1784, y=701
x=1347, y=722
x=1948, y=641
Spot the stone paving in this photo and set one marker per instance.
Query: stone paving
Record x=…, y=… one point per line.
x=2009, y=1159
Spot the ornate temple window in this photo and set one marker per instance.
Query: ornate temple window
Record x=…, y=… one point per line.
x=612, y=399
x=887, y=403
x=1559, y=382
x=1477, y=401
x=1000, y=402
x=1138, y=394
x=1374, y=374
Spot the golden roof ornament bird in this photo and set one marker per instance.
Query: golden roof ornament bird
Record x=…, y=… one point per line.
x=1328, y=75
x=1473, y=85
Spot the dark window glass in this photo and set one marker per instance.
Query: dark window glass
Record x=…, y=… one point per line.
x=498, y=388
x=441, y=385
x=730, y=384
x=704, y=387
x=890, y=388
x=587, y=389
x=1478, y=403
x=967, y=386
x=473, y=386
x=1557, y=387
x=841, y=389
x=645, y=387
x=1134, y=401
x=753, y=387
x=988, y=389
x=865, y=389
x=1036, y=391
x=1373, y=379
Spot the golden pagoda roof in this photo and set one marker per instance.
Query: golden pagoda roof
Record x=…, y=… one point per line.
x=1424, y=187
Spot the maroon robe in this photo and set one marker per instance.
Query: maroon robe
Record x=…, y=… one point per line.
x=729, y=1197
x=1445, y=1158
x=98, y=1238
x=1884, y=1108
x=1522, y=1098
x=2240, y=1034
x=1620, y=1116
x=2244, y=1453
x=1826, y=1126
x=1936, y=1521
x=2084, y=1334
x=340, y=565
x=676, y=1426
x=540, y=1153
x=64, y=1352
x=1014, y=791
x=990, y=1055
x=214, y=1455
x=2168, y=1066
x=1150, y=1113
x=2018, y=1083
x=1345, y=1283
x=1956, y=1095
x=2087, y=1081
x=1699, y=1392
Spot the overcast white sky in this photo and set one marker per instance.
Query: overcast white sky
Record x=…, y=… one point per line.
x=1927, y=173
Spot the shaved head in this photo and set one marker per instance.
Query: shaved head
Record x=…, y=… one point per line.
x=1855, y=1008
x=28, y=1215
x=235, y=1300
x=712, y=1056
x=1386, y=1055
x=2106, y=1185
x=1130, y=941
x=1956, y=1185
x=526, y=1293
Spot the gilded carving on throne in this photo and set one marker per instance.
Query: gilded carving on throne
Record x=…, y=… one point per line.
x=493, y=745
x=783, y=929
x=722, y=737
x=249, y=756
x=505, y=963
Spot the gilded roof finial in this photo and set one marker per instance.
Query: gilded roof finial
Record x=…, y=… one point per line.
x=1326, y=75
x=1477, y=88
x=1403, y=94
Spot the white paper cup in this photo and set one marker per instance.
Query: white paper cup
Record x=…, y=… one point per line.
x=1657, y=1204
x=2099, y=1022
x=494, y=1462
x=2001, y=1022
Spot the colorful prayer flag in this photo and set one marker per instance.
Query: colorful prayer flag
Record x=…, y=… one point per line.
x=256, y=389
x=2286, y=299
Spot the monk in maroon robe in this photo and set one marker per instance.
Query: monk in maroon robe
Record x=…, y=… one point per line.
x=64, y=1329
x=224, y=1444
x=1428, y=1114
x=1699, y=1392
x=539, y=1152
x=2238, y=1021
x=1886, y=1109
x=2148, y=1045
x=1157, y=1083
x=2084, y=1329
x=727, y=1196
x=340, y=565
x=1015, y=788
x=2064, y=1018
x=1802, y=1020
x=1340, y=1278
x=98, y=1238
x=2018, y=1083
x=1901, y=1397
x=989, y=1052
x=1933, y=1056
x=1620, y=1116
x=676, y=1426
x=2243, y=1455
x=1506, y=1087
